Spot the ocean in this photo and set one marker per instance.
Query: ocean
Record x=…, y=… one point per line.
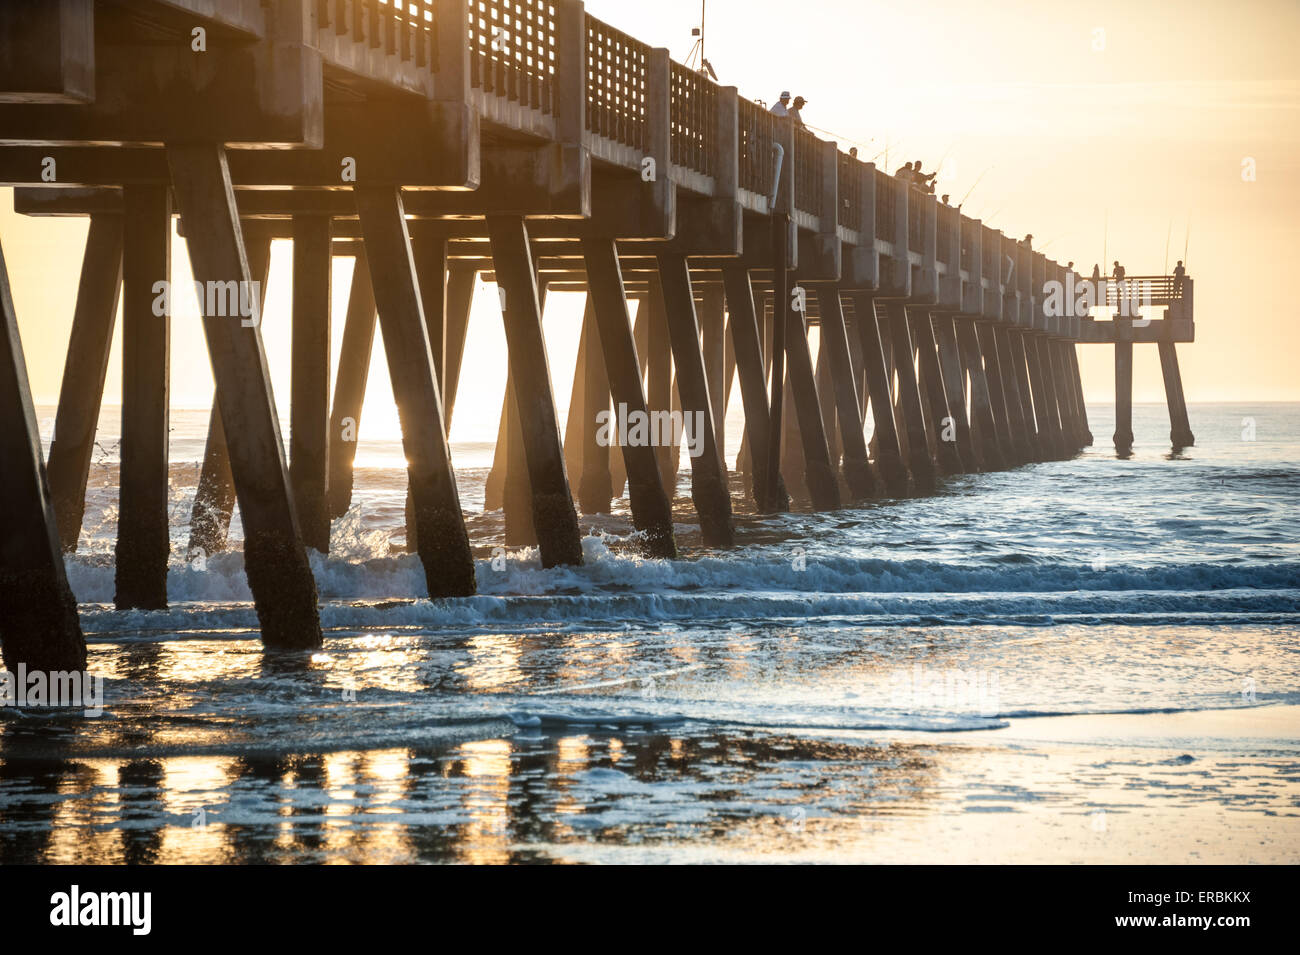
x=1087, y=660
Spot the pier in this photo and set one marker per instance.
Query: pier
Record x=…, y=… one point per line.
x=527, y=143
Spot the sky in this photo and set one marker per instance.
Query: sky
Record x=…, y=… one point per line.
x=1116, y=129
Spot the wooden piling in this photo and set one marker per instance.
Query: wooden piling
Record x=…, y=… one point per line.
x=982, y=421
x=823, y=486
x=954, y=386
x=591, y=387
x=275, y=559
x=143, y=545
x=84, y=371
x=1012, y=451
x=554, y=516
x=441, y=539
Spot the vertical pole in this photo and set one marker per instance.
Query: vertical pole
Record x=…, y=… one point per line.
x=997, y=393
x=1085, y=436
x=142, y=531
x=274, y=557
x=554, y=516
x=460, y=299
x=1018, y=421
x=1015, y=355
x=1123, y=395
x=708, y=474
x=659, y=385
x=309, y=381
x=38, y=613
x=848, y=407
x=1051, y=408
x=441, y=538
x=214, y=498
x=651, y=508
x=84, y=371
x=350, y=385
x=823, y=486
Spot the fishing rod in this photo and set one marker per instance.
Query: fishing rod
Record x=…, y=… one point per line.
x=972, y=188
x=1187, y=240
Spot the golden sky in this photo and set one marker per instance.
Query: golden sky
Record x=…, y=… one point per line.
x=1138, y=146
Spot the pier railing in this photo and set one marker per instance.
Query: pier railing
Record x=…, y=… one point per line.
x=886, y=198
x=512, y=50
x=757, y=134
x=809, y=172
x=405, y=30
x=694, y=119
x=617, y=77
x=850, y=182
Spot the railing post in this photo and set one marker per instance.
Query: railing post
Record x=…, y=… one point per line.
x=570, y=71
x=726, y=145
x=452, y=83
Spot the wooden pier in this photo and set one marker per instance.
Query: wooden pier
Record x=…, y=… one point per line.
x=529, y=143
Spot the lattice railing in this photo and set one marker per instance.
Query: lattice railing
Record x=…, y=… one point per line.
x=512, y=50
x=849, y=189
x=694, y=120
x=886, y=203
x=617, y=69
x=757, y=133
x=406, y=29
x=809, y=173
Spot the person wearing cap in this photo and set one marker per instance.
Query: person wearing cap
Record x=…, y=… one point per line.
x=799, y=102
x=782, y=107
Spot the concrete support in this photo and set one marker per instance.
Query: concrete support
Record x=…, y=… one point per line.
x=889, y=457
x=1180, y=430
x=1013, y=453
x=982, y=420
x=1015, y=352
x=38, y=613
x=1051, y=405
x=441, y=538
x=1070, y=427
x=275, y=559
x=954, y=386
x=84, y=371
x=1018, y=420
x=309, y=437
x=1123, y=396
x=460, y=299
x=591, y=387
x=708, y=473
x=659, y=382
x=554, y=516
x=848, y=407
x=142, y=527
x=900, y=335
x=1072, y=356
x=713, y=341
x=823, y=486
x=214, y=498
x=651, y=507
x=350, y=386
x=746, y=341
x=942, y=420
x=1046, y=436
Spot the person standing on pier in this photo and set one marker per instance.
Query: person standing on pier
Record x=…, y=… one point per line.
x=782, y=106
x=1179, y=274
x=794, y=111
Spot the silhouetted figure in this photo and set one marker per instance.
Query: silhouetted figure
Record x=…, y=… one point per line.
x=799, y=103
x=1179, y=274
x=904, y=172
x=853, y=152
x=782, y=106
x=1028, y=241
x=1096, y=272
x=944, y=198
x=1070, y=266
x=1119, y=272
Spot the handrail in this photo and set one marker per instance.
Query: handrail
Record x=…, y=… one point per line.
x=885, y=205
x=617, y=72
x=694, y=120
x=512, y=50
x=809, y=175
x=849, y=183
x=757, y=134
x=406, y=29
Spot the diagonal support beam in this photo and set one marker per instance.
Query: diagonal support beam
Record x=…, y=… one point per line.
x=835, y=343
x=275, y=559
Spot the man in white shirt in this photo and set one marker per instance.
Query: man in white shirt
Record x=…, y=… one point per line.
x=782, y=107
